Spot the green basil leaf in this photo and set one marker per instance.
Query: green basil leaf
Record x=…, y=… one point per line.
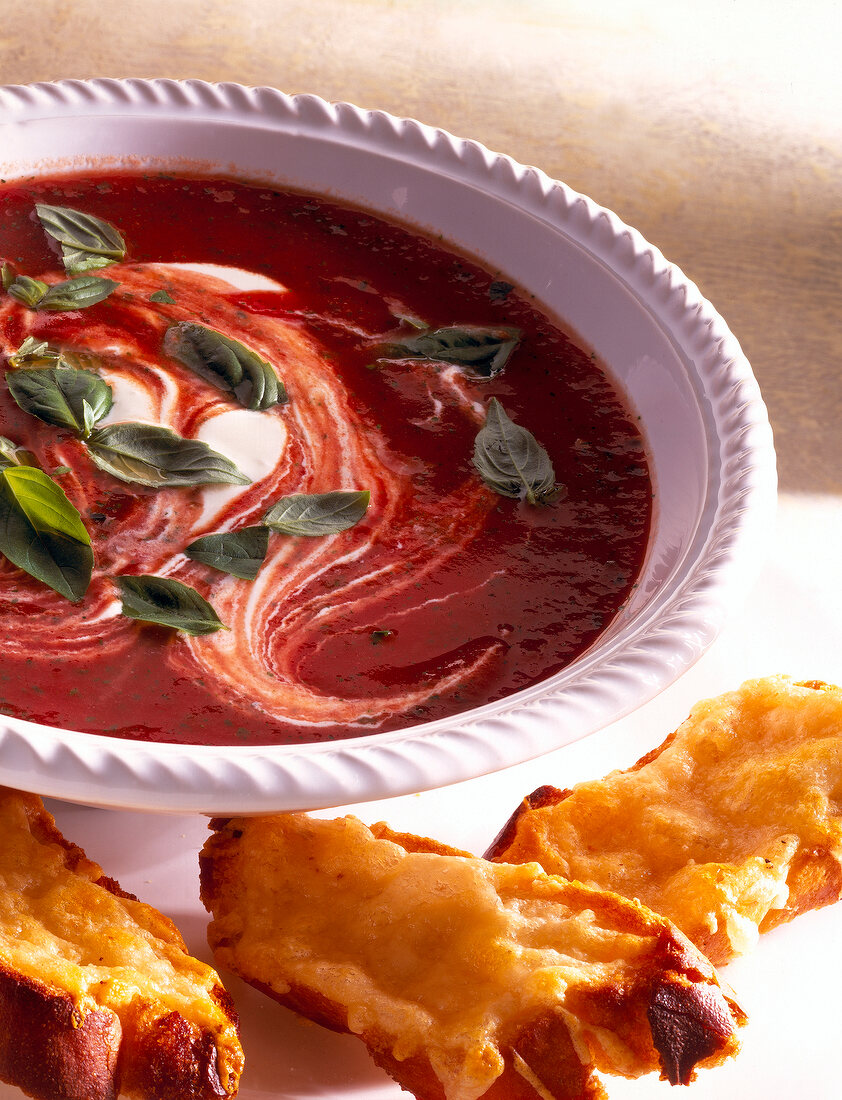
x=227, y=363
x=13, y=455
x=162, y=296
x=42, y=533
x=62, y=396
x=167, y=602
x=28, y=291
x=77, y=262
x=75, y=293
x=485, y=350
x=317, y=513
x=510, y=460
x=7, y=275
x=87, y=242
x=240, y=553
x=147, y=454
x=35, y=353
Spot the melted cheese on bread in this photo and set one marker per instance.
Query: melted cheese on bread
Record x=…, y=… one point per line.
x=732, y=826
x=441, y=960
x=70, y=934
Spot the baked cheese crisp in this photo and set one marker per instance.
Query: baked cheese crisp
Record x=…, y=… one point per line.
x=731, y=827
x=98, y=996
x=465, y=979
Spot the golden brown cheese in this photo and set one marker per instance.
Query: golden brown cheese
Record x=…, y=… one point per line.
x=98, y=995
x=732, y=826
x=465, y=979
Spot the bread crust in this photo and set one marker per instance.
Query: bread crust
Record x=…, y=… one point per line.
x=747, y=853
x=48, y=1049
x=665, y=1013
x=56, y=1041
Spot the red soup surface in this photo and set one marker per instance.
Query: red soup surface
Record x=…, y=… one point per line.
x=445, y=595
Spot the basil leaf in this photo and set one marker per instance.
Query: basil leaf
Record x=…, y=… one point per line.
x=35, y=353
x=13, y=455
x=7, y=275
x=168, y=603
x=87, y=242
x=75, y=293
x=76, y=262
x=42, y=533
x=510, y=460
x=239, y=553
x=227, y=363
x=27, y=290
x=485, y=350
x=162, y=296
x=317, y=513
x=63, y=396
x=147, y=454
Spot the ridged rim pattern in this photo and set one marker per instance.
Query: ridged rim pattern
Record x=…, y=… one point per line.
x=605, y=684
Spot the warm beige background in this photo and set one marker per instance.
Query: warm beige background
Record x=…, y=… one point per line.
x=714, y=127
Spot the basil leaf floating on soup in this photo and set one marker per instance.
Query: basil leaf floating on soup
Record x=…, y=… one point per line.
x=147, y=454
x=13, y=455
x=227, y=363
x=163, y=297
x=167, y=602
x=240, y=553
x=318, y=513
x=484, y=350
x=63, y=397
x=87, y=242
x=42, y=533
x=35, y=353
x=79, y=293
x=27, y=291
x=510, y=460
x=62, y=297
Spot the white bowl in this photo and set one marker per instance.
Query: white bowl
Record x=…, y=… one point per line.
x=710, y=445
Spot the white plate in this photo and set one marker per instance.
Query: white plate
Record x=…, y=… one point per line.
x=709, y=439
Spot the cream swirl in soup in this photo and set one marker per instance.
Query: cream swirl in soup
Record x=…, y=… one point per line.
x=444, y=595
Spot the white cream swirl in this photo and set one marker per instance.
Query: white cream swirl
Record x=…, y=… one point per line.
x=319, y=441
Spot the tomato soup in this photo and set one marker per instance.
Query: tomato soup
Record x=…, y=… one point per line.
x=449, y=590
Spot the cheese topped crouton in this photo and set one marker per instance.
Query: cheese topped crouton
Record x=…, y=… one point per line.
x=730, y=827
x=465, y=979
x=98, y=995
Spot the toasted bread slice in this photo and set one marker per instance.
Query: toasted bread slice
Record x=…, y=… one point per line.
x=98, y=996
x=730, y=827
x=464, y=979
